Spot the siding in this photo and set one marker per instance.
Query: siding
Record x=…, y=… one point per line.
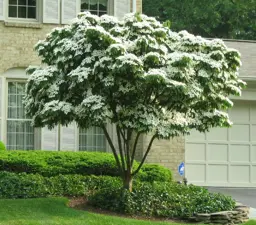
x=248, y=56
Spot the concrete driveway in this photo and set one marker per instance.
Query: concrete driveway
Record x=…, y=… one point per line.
x=246, y=196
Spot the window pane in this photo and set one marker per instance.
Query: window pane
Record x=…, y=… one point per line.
x=20, y=134
x=103, y=5
x=102, y=13
x=93, y=4
x=84, y=5
x=92, y=139
x=22, y=2
x=32, y=2
x=13, y=2
x=94, y=12
x=13, y=11
x=22, y=12
x=32, y=12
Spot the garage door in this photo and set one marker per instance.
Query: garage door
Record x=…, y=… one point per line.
x=225, y=157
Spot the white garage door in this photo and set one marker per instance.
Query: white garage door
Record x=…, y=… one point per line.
x=225, y=157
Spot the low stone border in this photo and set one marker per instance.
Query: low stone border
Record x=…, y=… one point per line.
x=239, y=215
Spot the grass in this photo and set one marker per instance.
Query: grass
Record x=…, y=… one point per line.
x=54, y=211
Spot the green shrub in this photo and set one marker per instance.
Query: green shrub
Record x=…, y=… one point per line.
x=82, y=163
x=22, y=185
x=161, y=200
x=2, y=146
x=153, y=172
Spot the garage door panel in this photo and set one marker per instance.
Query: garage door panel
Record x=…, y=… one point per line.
x=217, y=173
x=253, y=159
x=240, y=132
x=217, y=153
x=196, y=152
x=253, y=174
x=253, y=133
x=196, y=173
x=239, y=174
x=218, y=134
x=240, y=112
x=226, y=157
x=253, y=113
x=196, y=136
x=239, y=153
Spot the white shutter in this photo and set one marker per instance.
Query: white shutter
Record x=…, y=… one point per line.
x=68, y=137
x=69, y=10
x=121, y=8
x=111, y=7
x=51, y=11
x=1, y=9
x=49, y=139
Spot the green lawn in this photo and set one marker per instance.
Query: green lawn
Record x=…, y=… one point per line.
x=54, y=211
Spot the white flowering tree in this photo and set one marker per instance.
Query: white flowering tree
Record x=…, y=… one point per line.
x=135, y=74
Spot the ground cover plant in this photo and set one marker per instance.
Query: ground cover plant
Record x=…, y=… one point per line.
x=135, y=74
x=54, y=211
x=153, y=199
x=161, y=200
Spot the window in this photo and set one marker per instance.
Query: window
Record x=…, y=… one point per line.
x=20, y=134
x=92, y=139
x=25, y=9
x=97, y=7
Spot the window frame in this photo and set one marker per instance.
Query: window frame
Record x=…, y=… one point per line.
x=14, y=119
x=108, y=11
x=25, y=20
x=5, y=119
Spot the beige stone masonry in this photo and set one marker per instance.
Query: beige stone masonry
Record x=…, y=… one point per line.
x=169, y=153
x=17, y=42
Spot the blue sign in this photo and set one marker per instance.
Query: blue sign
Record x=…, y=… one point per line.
x=181, y=168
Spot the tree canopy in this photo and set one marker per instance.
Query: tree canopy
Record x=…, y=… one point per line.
x=234, y=19
x=135, y=74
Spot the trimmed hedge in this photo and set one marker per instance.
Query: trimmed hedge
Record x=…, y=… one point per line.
x=50, y=164
x=22, y=185
x=2, y=146
x=169, y=200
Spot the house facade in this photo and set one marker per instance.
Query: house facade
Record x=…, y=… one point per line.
x=222, y=157
x=22, y=24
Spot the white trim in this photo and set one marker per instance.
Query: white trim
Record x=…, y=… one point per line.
x=134, y=6
x=2, y=6
x=3, y=109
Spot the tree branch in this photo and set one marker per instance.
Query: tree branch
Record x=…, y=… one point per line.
x=145, y=156
x=113, y=149
x=128, y=156
x=120, y=147
x=134, y=148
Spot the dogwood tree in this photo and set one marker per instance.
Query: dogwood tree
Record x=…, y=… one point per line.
x=135, y=74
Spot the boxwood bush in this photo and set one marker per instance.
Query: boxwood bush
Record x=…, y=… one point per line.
x=2, y=146
x=158, y=199
x=22, y=185
x=50, y=164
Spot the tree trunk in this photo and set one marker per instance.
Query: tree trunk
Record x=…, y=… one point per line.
x=127, y=180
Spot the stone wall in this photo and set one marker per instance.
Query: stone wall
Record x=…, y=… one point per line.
x=16, y=44
x=237, y=216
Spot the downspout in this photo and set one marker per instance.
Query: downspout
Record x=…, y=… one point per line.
x=134, y=7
